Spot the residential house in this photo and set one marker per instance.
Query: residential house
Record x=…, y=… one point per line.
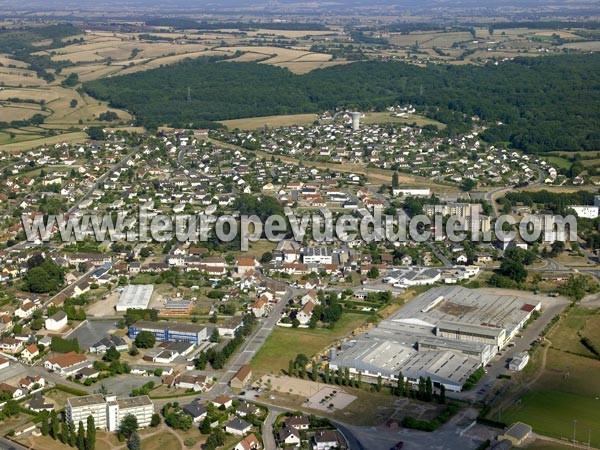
x=238, y=427
x=244, y=409
x=12, y=390
x=107, y=342
x=26, y=309
x=326, y=440
x=38, y=403
x=258, y=307
x=299, y=423
x=30, y=352
x=222, y=400
x=196, y=411
x=6, y=323
x=289, y=436
x=305, y=314
x=250, y=442
x=246, y=264
x=67, y=364
x=32, y=383
x=194, y=382
x=241, y=378
x=10, y=345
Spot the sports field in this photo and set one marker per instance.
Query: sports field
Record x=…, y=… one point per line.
x=552, y=413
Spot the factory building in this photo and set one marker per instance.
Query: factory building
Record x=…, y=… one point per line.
x=446, y=334
x=135, y=296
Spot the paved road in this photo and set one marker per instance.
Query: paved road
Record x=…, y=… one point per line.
x=267, y=431
x=5, y=444
x=436, y=251
x=252, y=345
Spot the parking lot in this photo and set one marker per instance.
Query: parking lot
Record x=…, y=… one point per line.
x=91, y=331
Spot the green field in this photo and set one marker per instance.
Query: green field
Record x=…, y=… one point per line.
x=285, y=343
x=559, y=163
x=552, y=413
x=545, y=445
x=385, y=117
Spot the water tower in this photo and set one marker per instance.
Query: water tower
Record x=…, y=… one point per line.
x=355, y=116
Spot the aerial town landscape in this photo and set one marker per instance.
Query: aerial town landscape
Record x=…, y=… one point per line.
x=276, y=225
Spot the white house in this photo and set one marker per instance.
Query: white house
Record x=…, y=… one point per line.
x=57, y=322
x=238, y=427
x=326, y=440
x=25, y=310
x=289, y=436
x=14, y=391
x=30, y=352
x=305, y=313
x=67, y=364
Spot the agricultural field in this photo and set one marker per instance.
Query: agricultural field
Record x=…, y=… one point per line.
x=586, y=46
x=254, y=123
x=19, y=111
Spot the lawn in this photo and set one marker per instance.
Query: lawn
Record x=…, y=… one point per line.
x=552, y=413
x=565, y=337
x=285, y=343
x=559, y=163
x=545, y=445
x=161, y=441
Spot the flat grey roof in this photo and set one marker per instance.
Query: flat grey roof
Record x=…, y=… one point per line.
x=87, y=400
x=135, y=296
x=171, y=326
x=134, y=402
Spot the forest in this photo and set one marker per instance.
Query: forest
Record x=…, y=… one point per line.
x=534, y=104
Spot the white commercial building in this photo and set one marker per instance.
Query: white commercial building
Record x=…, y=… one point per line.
x=108, y=412
x=586, y=212
x=411, y=192
x=135, y=296
x=519, y=362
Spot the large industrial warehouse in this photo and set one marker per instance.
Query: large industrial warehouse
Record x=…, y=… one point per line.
x=446, y=333
x=135, y=296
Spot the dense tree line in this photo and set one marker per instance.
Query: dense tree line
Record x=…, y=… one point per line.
x=551, y=202
x=218, y=358
x=184, y=24
x=537, y=104
x=62, y=345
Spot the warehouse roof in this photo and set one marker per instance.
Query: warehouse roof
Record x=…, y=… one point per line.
x=135, y=296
